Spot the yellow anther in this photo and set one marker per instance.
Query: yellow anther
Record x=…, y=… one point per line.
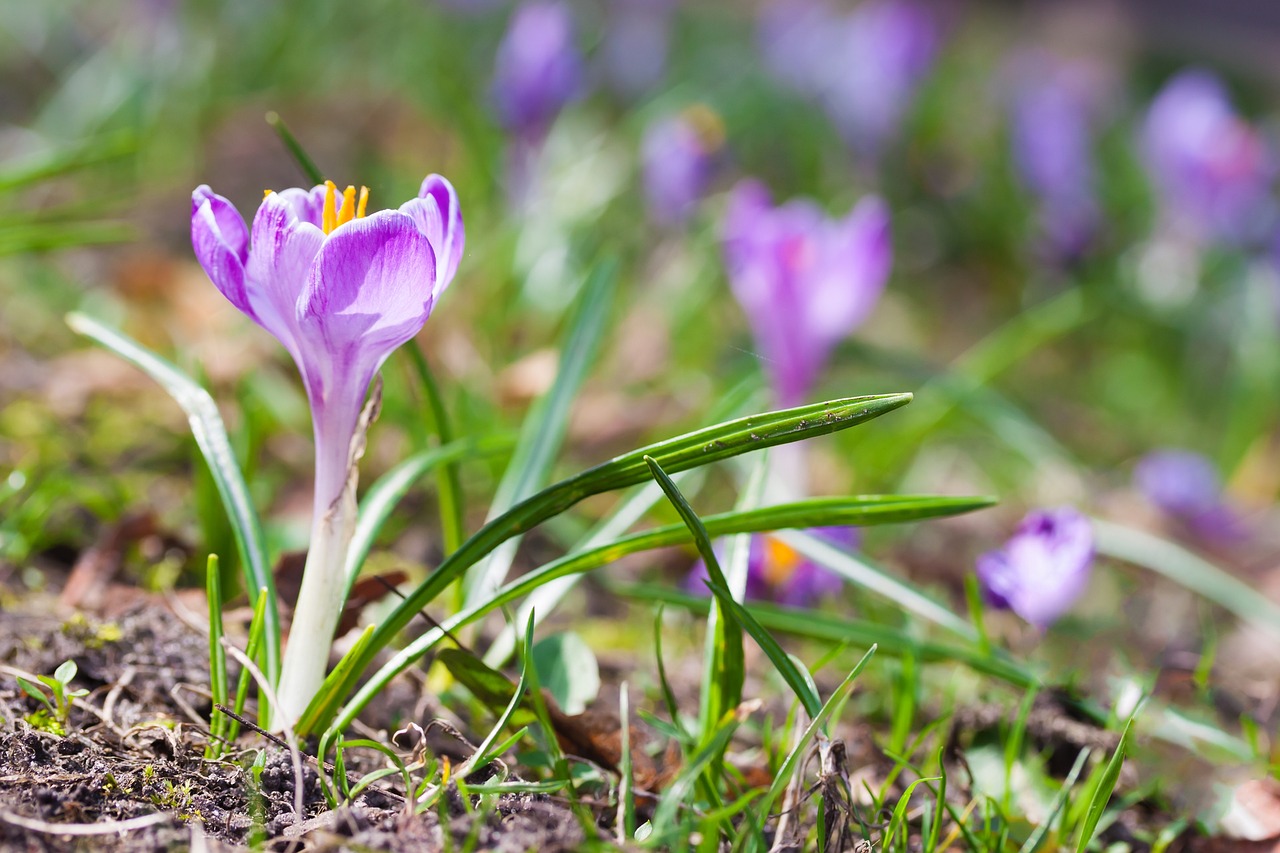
x=446, y=770
x=267, y=193
x=348, y=211
x=329, y=219
x=364, y=202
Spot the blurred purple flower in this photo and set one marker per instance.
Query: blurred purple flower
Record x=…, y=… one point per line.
x=803, y=279
x=678, y=160
x=538, y=69
x=1186, y=485
x=635, y=43
x=797, y=38
x=775, y=572
x=340, y=290
x=1053, y=108
x=886, y=49
x=1042, y=569
x=1211, y=169
x=863, y=67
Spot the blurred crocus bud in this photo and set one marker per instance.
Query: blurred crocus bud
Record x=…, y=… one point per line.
x=1186, y=486
x=1042, y=569
x=635, y=44
x=804, y=280
x=1053, y=107
x=678, y=160
x=1211, y=168
x=885, y=48
x=538, y=69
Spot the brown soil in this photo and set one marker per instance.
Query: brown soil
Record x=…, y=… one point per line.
x=130, y=773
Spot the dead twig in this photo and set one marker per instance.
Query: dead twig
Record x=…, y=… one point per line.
x=111, y=827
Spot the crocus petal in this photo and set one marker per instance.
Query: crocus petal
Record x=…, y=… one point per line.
x=307, y=205
x=853, y=272
x=220, y=240
x=439, y=216
x=368, y=291
x=1043, y=568
x=803, y=280
x=1211, y=168
x=538, y=68
x=284, y=247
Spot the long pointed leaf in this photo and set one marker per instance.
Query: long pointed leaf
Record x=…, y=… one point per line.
x=211, y=437
x=691, y=450
x=724, y=670
x=812, y=513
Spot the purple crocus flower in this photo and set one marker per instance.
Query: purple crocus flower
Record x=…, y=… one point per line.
x=803, y=279
x=1053, y=108
x=885, y=50
x=1186, y=486
x=538, y=70
x=1043, y=568
x=1211, y=168
x=340, y=290
x=678, y=159
x=863, y=67
x=636, y=42
x=798, y=40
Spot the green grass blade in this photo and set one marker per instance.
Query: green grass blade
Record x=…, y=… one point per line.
x=691, y=450
x=544, y=427
x=1182, y=567
x=668, y=695
x=721, y=632
x=51, y=165
x=665, y=821
x=538, y=705
x=309, y=169
x=335, y=681
x=899, y=817
x=252, y=649
x=481, y=756
x=626, y=796
x=386, y=493
x=50, y=236
x=211, y=436
x=217, y=657
x=730, y=670
x=861, y=572
x=1106, y=786
x=1059, y=800
x=453, y=506
x=724, y=667
x=792, y=762
x=799, y=682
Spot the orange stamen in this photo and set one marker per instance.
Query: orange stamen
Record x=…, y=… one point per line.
x=329, y=219
x=364, y=202
x=348, y=211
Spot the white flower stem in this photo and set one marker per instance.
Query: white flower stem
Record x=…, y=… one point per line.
x=339, y=446
x=320, y=601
